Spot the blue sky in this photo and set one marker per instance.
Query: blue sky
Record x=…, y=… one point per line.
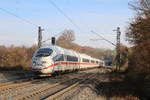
x=102, y=16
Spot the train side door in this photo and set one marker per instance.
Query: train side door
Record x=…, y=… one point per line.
x=79, y=62
x=58, y=62
x=63, y=63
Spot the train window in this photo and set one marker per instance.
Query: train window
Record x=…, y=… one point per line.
x=59, y=58
x=92, y=61
x=72, y=58
x=85, y=60
x=44, y=52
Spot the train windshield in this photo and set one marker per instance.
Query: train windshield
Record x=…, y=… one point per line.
x=44, y=52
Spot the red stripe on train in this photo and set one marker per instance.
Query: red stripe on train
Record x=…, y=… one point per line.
x=53, y=65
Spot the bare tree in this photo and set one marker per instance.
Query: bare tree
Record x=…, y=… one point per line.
x=142, y=7
x=67, y=35
x=139, y=35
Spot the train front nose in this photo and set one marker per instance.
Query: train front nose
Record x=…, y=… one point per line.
x=42, y=61
x=42, y=66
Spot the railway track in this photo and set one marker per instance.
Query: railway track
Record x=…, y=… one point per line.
x=19, y=83
x=12, y=85
x=47, y=88
x=59, y=93
x=55, y=90
x=13, y=82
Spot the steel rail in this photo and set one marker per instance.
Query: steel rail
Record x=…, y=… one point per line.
x=65, y=90
x=50, y=90
x=42, y=91
x=16, y=85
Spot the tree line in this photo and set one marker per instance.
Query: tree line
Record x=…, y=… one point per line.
x=16, y=57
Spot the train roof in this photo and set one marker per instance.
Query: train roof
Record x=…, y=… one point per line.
x=60, y=50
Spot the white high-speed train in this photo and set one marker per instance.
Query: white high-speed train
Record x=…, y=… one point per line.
x=48, y=60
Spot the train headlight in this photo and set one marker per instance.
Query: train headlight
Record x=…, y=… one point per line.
x=33, y=63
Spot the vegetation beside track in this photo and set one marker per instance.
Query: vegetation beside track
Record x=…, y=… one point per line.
x=138, y=34
x=136, y=77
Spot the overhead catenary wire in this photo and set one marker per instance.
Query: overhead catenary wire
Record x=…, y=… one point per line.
x=69, y=19
x=15, y=15
x=63, y=13
x=103, y=38
x=22, y=19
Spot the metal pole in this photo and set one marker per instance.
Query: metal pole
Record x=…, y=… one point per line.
x=118, y=56
x=39, y=37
